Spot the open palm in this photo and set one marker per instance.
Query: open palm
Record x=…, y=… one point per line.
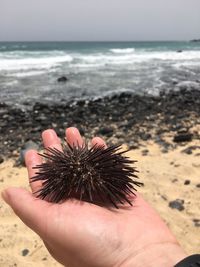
x=81, y=234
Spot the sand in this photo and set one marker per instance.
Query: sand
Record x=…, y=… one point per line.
x=164, y=176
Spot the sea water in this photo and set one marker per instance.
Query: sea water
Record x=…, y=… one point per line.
x=29, y=70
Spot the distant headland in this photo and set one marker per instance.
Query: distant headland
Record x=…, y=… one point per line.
x=195, y=40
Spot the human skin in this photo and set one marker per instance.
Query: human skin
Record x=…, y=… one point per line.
x=78, y=233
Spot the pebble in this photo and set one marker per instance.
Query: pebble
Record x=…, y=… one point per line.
x=25, y=252
x=196, y=222
x=106, y=131
x=190, y=149
x=128, y=117
x=1, y=159
x=177, y=204
x=145, y=152
x=187, y=182
x=183, y=137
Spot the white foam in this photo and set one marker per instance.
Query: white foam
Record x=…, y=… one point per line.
x=27, y=74
x=123, y=51
x=32, y=63
x=99, y=59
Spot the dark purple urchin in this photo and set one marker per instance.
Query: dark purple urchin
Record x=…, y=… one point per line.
x=95, y=174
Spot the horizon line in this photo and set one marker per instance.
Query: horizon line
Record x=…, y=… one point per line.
x=92, y=41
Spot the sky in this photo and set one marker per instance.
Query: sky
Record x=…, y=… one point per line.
x=99, y=20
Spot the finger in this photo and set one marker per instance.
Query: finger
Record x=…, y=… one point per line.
x=73, y=137
x=99, y=142
x=32, y=159
x=31, y=210
x=50, y=139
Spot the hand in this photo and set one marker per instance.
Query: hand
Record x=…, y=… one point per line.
x=81, y=234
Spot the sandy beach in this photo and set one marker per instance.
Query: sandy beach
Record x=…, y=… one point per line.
x=162, y=132
x=167, y=177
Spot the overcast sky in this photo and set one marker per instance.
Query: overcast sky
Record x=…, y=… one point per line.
x=68, y=20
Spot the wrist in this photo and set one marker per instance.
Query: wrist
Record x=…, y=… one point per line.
x=159, y=255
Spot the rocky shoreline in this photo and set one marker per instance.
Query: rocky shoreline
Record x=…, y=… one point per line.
x=125, y=118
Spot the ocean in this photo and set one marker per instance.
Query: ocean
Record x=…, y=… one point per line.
x=29, y=70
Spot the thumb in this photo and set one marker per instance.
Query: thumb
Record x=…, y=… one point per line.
x=30, y=210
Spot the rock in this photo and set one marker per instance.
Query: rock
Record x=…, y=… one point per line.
x=1, y=159
x=25, y=252
x=189, y=149
x=164, y=150
x=133, y=145
x=62, y=79
x=177, y=204
x=196, y=222
x=183, y=137
x=179, y=51
x=145, y=152
x=174, y=180
x=108, y=131
x=198, y=185
x=187, y=182
x=145, y=136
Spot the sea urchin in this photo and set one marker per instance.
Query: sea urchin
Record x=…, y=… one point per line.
x=96, y=174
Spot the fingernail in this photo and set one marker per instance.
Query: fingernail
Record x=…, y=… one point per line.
x=50, y=133
x=73, y=130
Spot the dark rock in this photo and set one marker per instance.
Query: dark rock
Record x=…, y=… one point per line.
x=145, y=152
x=106, y=131
x=187, y=182
x=164, y=150
x=1, y=159
x=176, y=165
x=145, y=136
x=174, y=82
x=133, y=116
x=196, y=222
x=174, y=180
x=189, y=149
x=179, y=51
x=133, y=145
x=177, y=204
x=198, y=185
x=164, y=197
x=183, y=137
x=62, y=79
x=25, y=252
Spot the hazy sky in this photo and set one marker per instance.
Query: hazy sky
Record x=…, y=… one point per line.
x=99, y=20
